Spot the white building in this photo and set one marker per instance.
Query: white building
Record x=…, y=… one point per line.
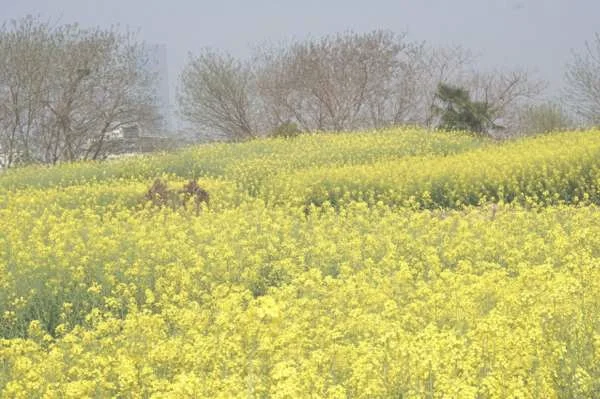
x=132, y=131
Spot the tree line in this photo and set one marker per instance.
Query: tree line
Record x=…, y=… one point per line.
x=346, y=81
x=64, y=88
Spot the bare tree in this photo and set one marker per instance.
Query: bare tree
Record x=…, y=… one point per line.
x=24, y=68
x=67, y=87
x=583, y=83
x=436, y=65
x=543, y=118
x=502, y=92
x=339, y=82
x=506, y=93
x=284, y=98
x=215, y=96
x=102, y=81
x=395, y=88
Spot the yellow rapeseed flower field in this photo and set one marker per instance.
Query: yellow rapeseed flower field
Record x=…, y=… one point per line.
x=389, y=264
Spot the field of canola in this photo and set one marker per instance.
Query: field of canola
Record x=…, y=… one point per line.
x=393, y=264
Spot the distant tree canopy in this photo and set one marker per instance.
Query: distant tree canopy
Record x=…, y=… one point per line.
x=543, y=118
x=458, y=112
x=64, y=88
x=583, y=83
x=346, y=81
x=215, y=95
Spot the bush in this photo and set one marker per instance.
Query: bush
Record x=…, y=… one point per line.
x=286, y=130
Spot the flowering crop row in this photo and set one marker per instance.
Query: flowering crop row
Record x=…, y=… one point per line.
x=232, y=161
x=103, y=295
x=554, y=169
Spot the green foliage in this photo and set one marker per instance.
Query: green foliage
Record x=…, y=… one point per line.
x=458, y=112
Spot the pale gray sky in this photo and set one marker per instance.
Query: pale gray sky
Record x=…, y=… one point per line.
x=535, y=34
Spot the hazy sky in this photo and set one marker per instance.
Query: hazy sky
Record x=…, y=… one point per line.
x=536, y=34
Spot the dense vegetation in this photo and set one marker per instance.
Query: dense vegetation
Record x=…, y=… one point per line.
x=398, y=263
